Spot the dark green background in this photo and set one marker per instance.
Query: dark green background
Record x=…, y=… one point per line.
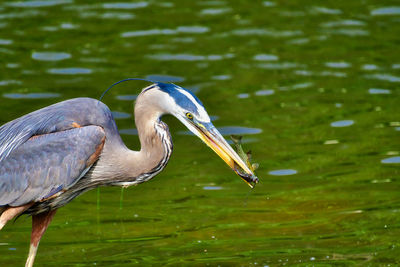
x=341, y=207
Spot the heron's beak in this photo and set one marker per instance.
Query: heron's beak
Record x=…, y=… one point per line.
x=211, y=136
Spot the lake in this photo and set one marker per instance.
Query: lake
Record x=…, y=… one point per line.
x=314, y=88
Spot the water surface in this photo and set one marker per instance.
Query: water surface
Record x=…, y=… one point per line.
x=313, y=87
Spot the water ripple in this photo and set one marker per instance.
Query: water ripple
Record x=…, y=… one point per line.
x=23, y=14
x=299, y=41
x=8, y=82
x=5, y=42
x=304, y=72
x=192, y=29
x=350, y=32
x=93, y=60
x=128, y=131
x=344, y=123
x=282, y=172
x=183, y=40
x=279, y=66
x=231, y=130
x=126, y=97
x=333, y=74
x=212, y=3
x=265, y=57
x=212, y=187
x=302, y=85
x=164, y=78
x=385, y=11
x=384, y=77
x=215, y=11
x=228, y=130
x=70, y=71
x=50, y=56
x=265, y=92
x=391, y=160
x=377, y=91
x=68, y=26
x=338, y=65
x=178, y=30
x=165, y=4
x=214, y=117
x=269, y=3
x=243, y=95
x=222, y=77
x=125, y=5
x=120, y=115
x=345, y=22
x=292, y=13
x=46, y=3
x=50, y=28
x=188, y=57
x=265, y=32
x=369, y=67
x=31, y=95
x=331, y=142
x=325, y=10
x=117, y=15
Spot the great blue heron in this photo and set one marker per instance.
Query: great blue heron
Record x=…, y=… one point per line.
x=52, y=155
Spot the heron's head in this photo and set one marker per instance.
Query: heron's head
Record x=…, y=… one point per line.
x=187, y=108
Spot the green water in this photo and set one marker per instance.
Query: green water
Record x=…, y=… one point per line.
x=316, y=81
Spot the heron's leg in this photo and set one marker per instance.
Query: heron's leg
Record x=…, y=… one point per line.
x=10, y=212
x=40, y=222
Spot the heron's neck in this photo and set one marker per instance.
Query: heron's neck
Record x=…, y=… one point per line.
x=135, y=167
x=155, y=140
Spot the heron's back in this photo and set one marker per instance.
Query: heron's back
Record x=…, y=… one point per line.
x=47, y=164
x=47, y=151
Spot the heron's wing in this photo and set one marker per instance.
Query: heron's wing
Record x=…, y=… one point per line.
x=57, y=117
x=47, y=164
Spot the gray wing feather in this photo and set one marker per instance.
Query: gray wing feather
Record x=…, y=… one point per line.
x=54, y=118
x=18, y=131
x=47, y=164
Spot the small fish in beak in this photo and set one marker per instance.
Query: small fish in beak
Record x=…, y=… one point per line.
x=246, y=157
x=211, y=136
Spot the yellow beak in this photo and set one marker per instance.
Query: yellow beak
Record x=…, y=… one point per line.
x=211, y=136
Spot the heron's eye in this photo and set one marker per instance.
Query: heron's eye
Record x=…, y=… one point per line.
x=189, y=116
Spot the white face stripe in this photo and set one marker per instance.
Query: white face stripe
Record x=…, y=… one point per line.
x=168, y=105
x=203, y=116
